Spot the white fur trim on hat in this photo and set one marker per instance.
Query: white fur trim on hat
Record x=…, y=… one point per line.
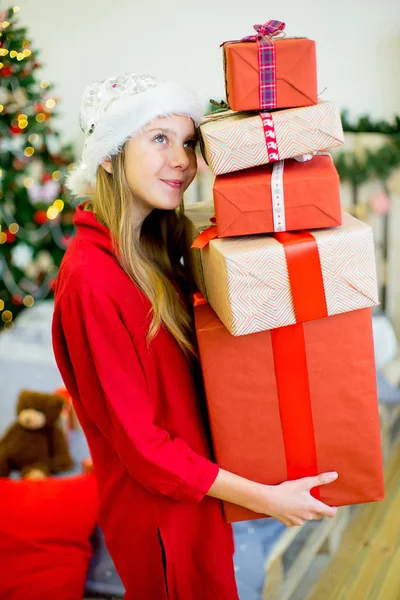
x=112, y=113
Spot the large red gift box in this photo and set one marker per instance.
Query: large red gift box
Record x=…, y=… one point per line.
x=284, y=196
x=293, y=402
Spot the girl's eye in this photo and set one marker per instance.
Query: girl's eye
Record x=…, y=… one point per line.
x=191, y=143
x=160, y=138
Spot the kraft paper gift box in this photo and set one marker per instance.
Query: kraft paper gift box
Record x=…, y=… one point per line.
x=256, y=283
x=283, y=196
x=295, y=402
x=293, y=74
x=233, y=141
x=196, y=221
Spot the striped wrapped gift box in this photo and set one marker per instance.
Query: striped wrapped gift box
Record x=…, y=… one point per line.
x=233, y=141
x=258, y=283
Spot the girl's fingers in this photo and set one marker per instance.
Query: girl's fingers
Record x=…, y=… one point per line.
x=308, y=483
x=323, y=509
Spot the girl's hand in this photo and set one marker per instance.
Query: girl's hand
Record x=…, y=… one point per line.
x=291, y=502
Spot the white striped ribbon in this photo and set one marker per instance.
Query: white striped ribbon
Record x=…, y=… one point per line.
x=277, y=189
x=278, y=198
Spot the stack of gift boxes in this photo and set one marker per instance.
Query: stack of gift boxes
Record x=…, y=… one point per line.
x=287, y=282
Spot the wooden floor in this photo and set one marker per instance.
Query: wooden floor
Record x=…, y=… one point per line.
x=367, y=563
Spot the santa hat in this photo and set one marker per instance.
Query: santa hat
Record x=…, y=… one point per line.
x=115, y=109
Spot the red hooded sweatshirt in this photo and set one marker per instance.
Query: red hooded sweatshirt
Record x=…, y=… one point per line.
x=144, y=420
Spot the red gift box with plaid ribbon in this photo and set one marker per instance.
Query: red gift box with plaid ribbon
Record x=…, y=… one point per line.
x=266, y=72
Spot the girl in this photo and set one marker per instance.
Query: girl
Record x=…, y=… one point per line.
x=123, y=340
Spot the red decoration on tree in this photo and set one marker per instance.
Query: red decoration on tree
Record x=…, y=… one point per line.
x=6, y=71
x=39, y=107
x=46, y=177
x=40, y=217
x=58, y=160
x=15, y=129
x=17, y=300
x=18, y=164
x=10, y=237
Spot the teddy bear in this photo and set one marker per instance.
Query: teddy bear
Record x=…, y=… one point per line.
x=35, y=444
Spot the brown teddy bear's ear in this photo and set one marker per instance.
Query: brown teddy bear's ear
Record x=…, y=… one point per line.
x=53, y=405
x=25, y=400
x=59, y=402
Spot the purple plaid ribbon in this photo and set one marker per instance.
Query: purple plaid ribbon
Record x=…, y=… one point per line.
x=266, y=60
x=269, y=29
x=267, y=74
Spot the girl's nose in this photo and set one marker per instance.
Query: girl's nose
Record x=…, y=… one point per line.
x=179, y=158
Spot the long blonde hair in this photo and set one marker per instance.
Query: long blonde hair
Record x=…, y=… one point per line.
x=152, y=257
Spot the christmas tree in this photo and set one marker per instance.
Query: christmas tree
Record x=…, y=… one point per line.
x=35, y=216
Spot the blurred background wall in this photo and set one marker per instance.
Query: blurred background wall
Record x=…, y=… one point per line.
x=358, y=45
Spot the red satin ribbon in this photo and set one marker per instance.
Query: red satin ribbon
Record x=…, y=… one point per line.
x=305, y=275
x=205, y=236
x=198, y=299
x=290, y=356
x=293, y=387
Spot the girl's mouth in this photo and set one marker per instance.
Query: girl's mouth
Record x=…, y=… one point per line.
x=174, y=183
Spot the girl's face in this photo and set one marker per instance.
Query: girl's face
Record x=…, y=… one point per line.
x=160, y=163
